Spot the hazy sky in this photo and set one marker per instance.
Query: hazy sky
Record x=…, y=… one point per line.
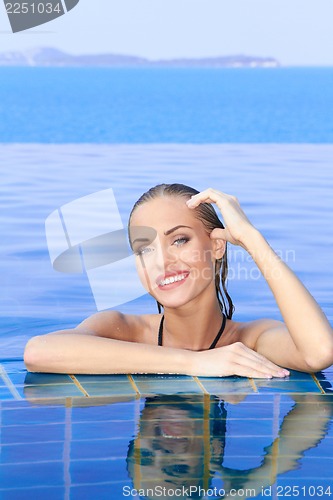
x=294, y=31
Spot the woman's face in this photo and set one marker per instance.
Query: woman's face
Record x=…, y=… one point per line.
x=175, y=255
x=169, y=448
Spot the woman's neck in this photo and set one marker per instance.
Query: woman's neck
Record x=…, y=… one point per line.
x=191, y=327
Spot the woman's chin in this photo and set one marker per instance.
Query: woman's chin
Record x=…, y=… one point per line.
x=172, y=303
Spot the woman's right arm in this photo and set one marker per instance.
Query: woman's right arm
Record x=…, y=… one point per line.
x=104, y=343
x=77, y=352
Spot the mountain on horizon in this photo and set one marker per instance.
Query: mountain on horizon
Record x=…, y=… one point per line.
x=49, y=56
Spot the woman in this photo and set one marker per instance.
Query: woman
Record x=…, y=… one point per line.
x=181, y=249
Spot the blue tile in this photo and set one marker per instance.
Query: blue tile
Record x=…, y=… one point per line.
x=275, y=385
x=103, y=430
x=116, y=411
x=170, y=385
x=325, y=380
x=27, y=475
x=103, y=449
x=39, y=378
x=32, y=416
x=255, y=410
x=48, y=391
x=312, y=468
x=301, y=376
x=305, y=398
x=86, y=402
x=322, y=450
x=5, y=394
x=14, y=366
x=46, y=452
x=309, y=488
x=327, y=370
x=108, y=388
x=17, y=404
x=55, y=493
x=252, y=445
x=34, y=403
x=220, y=386
x=159, y=376
x=174, y=397
x=114, y=491
x=246, y=428
x=32, y=433
x=101, y=378
x=97, y=471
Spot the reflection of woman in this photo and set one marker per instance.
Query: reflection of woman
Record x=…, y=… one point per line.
x=178, y=440
x=180, y=445
x=181, y=249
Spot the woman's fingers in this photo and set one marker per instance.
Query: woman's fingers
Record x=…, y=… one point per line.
x=260, y=359
x=209, y=195
x=254, y=364
x=237, y=225
x=235, y=359
x=246, y=371
x=218, y=234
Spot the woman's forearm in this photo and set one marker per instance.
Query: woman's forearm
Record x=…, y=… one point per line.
x=79, y=353
x=74, y=352
x=306, y=322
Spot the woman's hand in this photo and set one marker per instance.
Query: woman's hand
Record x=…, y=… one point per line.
x=235, y=359
x=237, y=225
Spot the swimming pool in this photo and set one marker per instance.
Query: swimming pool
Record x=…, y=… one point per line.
x=110, y=436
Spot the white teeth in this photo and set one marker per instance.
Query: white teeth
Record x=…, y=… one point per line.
x=168, y=436
x=172, y=279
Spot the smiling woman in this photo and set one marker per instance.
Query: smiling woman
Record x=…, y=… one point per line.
x=181, y=256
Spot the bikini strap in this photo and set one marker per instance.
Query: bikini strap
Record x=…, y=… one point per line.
x=160, y=332
x=218, y=336
x=215, y=341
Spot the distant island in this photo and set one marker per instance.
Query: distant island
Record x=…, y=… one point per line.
x=47, y=56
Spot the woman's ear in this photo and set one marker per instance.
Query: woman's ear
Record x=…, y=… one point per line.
x=219, y=246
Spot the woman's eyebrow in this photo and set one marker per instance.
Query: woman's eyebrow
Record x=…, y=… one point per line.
x=169, y=231
x=142, y=240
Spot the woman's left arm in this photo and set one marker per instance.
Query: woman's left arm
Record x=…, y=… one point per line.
x=305, y=340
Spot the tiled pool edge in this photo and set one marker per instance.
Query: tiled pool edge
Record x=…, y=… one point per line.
x=18, y=384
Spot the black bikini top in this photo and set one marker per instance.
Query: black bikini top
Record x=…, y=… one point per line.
x=215, y=341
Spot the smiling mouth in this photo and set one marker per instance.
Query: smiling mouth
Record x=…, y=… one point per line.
x=176, y=278
x=170, y=430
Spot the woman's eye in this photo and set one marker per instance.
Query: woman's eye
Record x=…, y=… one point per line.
x=181, y=241
x=144, y=457
x=143, y=250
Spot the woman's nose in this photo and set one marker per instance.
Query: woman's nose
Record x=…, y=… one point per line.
x=169, y=254
x=165, y=256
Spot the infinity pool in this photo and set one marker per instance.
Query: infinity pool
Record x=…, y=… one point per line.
x=114, y=437
x=161, y=436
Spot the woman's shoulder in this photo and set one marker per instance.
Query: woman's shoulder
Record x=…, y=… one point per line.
x=129, y=327
x=248, y=332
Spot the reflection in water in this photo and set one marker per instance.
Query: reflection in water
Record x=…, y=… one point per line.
x=180, y=446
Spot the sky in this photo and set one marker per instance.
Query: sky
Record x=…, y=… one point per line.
x=296, y=32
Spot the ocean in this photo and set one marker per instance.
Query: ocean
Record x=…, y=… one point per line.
x=103, y=105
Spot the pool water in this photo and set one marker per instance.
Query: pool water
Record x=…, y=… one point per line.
x=65, y=436
x=118, y=436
